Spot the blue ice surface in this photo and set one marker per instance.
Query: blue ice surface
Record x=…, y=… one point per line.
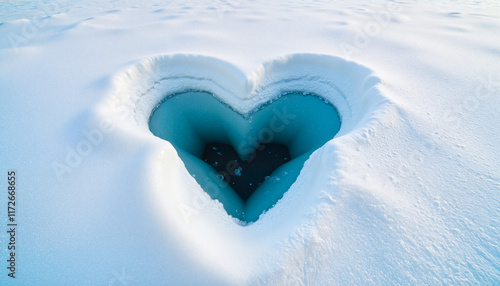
x=190, y=120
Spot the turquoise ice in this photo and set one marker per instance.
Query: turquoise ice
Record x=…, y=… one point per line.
x=189, y=121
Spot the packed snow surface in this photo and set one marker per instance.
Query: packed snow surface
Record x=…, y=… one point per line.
x=407, y=192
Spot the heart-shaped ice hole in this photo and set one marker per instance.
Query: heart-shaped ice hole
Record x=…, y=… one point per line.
x=245, y=161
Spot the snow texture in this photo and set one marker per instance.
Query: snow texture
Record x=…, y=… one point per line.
x=408, y=191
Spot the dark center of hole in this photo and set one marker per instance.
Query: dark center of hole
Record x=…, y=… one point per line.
x=245, y=176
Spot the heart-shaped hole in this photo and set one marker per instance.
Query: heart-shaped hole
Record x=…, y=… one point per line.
x=246, y=161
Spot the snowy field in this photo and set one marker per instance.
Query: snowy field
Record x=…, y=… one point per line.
x=406, y=193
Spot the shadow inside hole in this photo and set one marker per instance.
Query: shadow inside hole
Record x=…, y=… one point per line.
x=290, y=128
x=245, y=176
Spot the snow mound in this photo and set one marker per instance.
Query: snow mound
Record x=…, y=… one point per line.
x=180, y=202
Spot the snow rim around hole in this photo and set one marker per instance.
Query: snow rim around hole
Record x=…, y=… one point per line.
x=354, y=90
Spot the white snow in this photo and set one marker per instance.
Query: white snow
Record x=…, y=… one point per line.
x=408, y=191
